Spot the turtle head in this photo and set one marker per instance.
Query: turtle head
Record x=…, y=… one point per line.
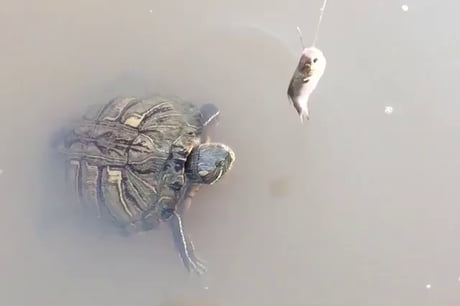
x=209, y=162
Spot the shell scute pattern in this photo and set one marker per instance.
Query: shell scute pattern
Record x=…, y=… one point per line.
x=127, y=158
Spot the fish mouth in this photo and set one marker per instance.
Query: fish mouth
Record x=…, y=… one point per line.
x=310, y=67
x=313, y=69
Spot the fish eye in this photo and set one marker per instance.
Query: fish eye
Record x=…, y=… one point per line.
x=315, y=60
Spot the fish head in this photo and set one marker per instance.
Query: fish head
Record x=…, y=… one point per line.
x=314, y=59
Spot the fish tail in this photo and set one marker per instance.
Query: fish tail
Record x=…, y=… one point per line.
x=304, y=114
x=301, y=108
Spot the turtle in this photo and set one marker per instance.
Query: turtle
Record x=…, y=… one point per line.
x=139, y=161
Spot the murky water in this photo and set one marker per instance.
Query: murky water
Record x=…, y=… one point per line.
x=359, y=206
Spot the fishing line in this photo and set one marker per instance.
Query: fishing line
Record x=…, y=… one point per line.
x=301, y=39
x=319, y=22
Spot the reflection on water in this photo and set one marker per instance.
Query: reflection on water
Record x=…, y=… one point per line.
x=356, y=207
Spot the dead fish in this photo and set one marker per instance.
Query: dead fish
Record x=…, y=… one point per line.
x=309, y=71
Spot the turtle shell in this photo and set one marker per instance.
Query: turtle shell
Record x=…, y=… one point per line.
x=126, y=159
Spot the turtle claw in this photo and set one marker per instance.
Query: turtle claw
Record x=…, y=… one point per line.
x=192, y=262
x=185, y=247
x=196, y=267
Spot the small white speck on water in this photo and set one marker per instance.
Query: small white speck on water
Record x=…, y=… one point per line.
x=405, y=7
x=428, y=286
x=388, y=109
x=1, y=171
x=150, y=11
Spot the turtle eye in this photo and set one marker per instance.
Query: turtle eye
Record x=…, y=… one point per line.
x=167, y=213
x=203, y=173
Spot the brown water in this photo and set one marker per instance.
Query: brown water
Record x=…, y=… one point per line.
x=355, y=207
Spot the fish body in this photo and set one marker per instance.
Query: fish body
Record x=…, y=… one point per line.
x=308, y=72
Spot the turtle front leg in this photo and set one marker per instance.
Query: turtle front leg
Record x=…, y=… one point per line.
x=185, y=246
x=210, y=117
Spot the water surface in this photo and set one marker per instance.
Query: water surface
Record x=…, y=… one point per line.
x=355, y=207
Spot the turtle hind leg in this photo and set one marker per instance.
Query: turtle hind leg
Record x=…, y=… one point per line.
x=58, y=139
